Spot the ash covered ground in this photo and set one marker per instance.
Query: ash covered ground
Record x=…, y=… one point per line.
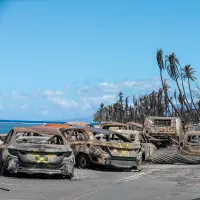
x=152, y=182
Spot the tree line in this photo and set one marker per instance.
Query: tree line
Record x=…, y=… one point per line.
x=162, y=102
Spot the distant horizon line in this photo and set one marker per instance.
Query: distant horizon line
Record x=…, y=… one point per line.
x=21, y=120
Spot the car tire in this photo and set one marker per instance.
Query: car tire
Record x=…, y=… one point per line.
x=83, y=161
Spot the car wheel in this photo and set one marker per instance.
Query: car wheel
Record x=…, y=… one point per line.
x=83, y=161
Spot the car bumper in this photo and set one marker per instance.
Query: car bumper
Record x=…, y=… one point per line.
x=65, y=171
x=14, y=166
x=123, y=164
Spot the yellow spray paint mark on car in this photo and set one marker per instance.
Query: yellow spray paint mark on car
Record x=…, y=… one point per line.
x=41, y=159
x=123, y=152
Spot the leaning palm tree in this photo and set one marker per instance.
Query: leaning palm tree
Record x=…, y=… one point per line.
x=171, y=63
x=161, y=65
x=188, y=73
x=175, y=97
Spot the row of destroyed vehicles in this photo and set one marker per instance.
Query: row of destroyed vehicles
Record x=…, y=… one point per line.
x=57, y=148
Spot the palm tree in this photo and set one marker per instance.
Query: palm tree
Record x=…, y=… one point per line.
x=171, y=63
x=126, y=108
x=175, y=97
x=162, y=67
x=188, y=73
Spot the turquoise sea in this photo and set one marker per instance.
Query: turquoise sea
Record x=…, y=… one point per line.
x=6, y=125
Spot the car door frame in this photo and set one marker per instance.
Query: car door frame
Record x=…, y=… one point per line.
x=78, y=145
x=5, y=143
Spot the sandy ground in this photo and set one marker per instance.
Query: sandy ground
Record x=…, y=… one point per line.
x=175, y=182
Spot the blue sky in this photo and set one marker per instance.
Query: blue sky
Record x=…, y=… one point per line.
x=61, y=58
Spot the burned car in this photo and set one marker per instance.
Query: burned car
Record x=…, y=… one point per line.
x=102, y=147
x=135, y=126
x=163, y=130
x=115, y=126
x=36, y=150
x=84, y=124
x=148, y=149
x=57, y=125
x=133, y=131
x=191, y=144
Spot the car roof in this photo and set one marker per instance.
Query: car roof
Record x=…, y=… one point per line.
x=114, y=124
x=92, y=129
x=135, y=124
x=84, y=124
x=58, y=125
x=38, y=129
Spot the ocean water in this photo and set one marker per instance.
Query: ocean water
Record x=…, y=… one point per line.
x=7, y=125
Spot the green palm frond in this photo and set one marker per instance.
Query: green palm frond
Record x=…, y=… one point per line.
x=159, y=58
x=188, y=73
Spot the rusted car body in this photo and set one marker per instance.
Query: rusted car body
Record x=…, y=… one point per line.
x=102, y=147
x=189, y=128
x=148, y=149
x=115, y=126
x=36, y=150
x=191, y=144
x=192, y=127
x=83, y=124
x=133, y=131
x=163, y=129
x=57, y=125
x=135, y=126
x=2, y=138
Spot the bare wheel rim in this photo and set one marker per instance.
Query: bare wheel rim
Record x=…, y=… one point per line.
x=82, y=161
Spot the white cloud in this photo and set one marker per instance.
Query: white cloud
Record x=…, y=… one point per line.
x=130, y=83
x=63, y=102
x=50, y=93
x=18, y=96
x=93, y=102
x=109, y=87
x=143, y=84
x=104, y=88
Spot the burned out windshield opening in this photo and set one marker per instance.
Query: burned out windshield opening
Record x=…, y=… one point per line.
x=36, y=138
x=111, y=137
x=194, y=139
x=162, y=122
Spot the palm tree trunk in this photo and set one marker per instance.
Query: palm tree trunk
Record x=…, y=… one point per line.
x=168, y=97
x=185, y=93
x=189, y=110
x=192, y=101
